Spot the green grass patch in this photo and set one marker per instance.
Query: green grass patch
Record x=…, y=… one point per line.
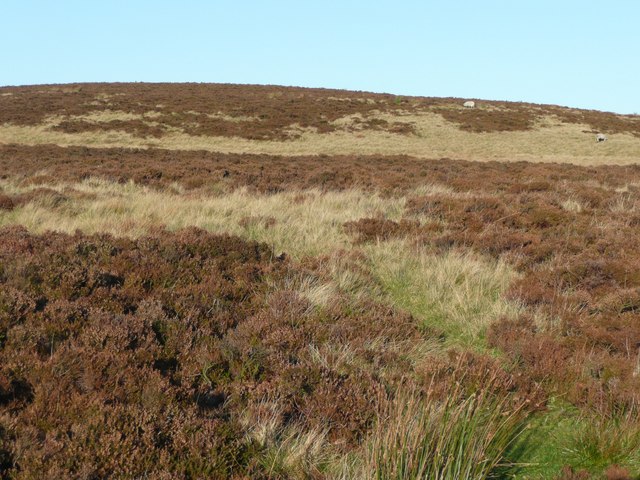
x=563, y=435
x=457, y=294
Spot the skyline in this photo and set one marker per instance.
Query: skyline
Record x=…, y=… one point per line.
x=571, y=54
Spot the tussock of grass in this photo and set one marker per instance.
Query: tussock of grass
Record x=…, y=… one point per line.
x=603, y=440
x=450, y=437
x=572, y=205
x=284, y=451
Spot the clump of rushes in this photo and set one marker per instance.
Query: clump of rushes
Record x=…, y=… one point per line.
x=457, y=435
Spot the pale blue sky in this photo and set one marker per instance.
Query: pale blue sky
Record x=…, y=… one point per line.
x=577, y=53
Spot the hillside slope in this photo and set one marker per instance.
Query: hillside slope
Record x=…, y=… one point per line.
x=296, y=121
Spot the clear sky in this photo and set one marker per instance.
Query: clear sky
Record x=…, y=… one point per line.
x=577, y=53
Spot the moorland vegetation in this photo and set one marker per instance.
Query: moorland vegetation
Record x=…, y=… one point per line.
x=321, y=312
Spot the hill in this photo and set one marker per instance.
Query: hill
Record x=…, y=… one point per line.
x=296, y=121
x=221, y=281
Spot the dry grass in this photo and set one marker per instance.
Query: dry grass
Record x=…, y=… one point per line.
x=285, y=451
x=300, y=224
x=103, y=116
x=233, y=118
x=572, y=205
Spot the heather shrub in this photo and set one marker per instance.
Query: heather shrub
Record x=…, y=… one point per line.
x=578, y=271
x=211, y=326
x=616, y=472
x=534, y=186
x=441, y=207
x=568, y=473
x=376, y=229
x=100, y=338
x=6, y=202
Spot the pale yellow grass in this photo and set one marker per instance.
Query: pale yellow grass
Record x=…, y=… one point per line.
x=108, y=96
x=549, y=141
x=286, y=451
x=625, y=204
x=105, y=116
x=61, y=89
x=233, y=118
x=307, y=224
x=370, y=101
x=572, y=205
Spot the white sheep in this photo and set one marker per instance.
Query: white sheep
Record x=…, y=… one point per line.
x=601, y=137
x=469, y=104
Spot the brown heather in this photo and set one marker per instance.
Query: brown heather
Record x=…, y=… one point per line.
x=41, y=165
x=6, y=202
x=251, y=112
x=579, y=277
x=612, y=473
